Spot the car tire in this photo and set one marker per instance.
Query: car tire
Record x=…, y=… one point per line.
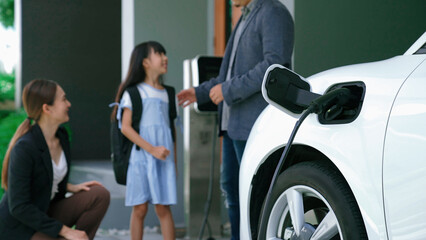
x=320, y=201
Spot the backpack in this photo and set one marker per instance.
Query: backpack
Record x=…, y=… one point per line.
x=121, y=147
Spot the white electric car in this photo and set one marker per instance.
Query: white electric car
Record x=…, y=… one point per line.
x=356, y=168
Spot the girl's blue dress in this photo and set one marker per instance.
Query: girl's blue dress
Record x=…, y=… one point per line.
x=150, y=179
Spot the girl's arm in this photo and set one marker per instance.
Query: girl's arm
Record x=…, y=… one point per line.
x=159, y=152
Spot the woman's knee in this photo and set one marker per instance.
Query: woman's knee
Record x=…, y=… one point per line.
x=101, y=193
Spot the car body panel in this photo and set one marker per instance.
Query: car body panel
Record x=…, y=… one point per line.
x=404, y=164
x=355, y=148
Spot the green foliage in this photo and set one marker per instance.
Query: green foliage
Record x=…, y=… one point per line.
x=68, y=129
x=7, y=12
x=8, y=126
x=7, y=86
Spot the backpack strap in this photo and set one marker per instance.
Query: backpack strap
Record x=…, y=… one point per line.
x=137, y=106
x=172, y=108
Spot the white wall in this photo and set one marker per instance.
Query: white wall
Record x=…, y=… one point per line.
x=127, y=34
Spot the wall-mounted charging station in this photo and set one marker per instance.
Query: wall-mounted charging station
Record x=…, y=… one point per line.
x=203, y=69
x=201, y=144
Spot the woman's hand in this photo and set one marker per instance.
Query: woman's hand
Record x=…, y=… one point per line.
x=82, y=186
x=72, y=234
x=160, y=152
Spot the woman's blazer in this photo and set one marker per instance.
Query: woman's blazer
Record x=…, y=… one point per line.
x=23, y=209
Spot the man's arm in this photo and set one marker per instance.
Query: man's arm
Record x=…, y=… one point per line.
x=202, y=91
x=277, y=46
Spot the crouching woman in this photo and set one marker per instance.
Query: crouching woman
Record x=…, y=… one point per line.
x=35, y=175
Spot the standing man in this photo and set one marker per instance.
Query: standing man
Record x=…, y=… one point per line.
x=263, y=36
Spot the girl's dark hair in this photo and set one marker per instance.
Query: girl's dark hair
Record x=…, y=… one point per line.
x=136, y=73
x=35, y=94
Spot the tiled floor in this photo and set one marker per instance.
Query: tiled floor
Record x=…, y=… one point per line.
x=116, y=221
x=149, y=234
x=114, y=234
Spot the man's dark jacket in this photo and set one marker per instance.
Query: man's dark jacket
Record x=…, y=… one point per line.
x=267, y=38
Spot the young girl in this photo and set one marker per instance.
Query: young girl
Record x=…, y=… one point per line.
x=35, y=175
x=151, y=176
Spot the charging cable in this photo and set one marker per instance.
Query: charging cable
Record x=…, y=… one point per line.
x=336, y=97
x=210, y=190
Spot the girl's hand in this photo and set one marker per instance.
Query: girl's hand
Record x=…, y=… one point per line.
x=160, y=152
x=82, y=186
x=69, y=233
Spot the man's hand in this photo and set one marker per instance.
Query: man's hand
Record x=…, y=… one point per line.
x=216, y=94
x=186, y=97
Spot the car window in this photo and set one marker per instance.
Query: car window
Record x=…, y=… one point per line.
x=421, y=50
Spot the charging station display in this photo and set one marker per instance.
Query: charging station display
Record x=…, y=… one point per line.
x=203, y=69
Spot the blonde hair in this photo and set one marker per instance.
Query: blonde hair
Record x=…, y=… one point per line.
x=35, y=94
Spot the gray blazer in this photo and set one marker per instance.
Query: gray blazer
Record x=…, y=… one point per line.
x=266, y=39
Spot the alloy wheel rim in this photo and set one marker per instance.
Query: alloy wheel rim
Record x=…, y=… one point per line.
x=288, y=219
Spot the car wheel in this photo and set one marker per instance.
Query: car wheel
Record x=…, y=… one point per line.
x=311, y=200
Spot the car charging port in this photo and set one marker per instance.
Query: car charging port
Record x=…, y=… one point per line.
x=345, y=111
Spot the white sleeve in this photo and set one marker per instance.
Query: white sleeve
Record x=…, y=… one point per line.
x=126, y=102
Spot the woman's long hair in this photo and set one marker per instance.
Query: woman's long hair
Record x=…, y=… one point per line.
x=35, y=94
x=136, y=73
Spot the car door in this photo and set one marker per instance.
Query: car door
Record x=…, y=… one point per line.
x=404, y=160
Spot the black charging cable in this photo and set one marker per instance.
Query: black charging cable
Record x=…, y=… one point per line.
x=336, y=97
x=210, y=190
